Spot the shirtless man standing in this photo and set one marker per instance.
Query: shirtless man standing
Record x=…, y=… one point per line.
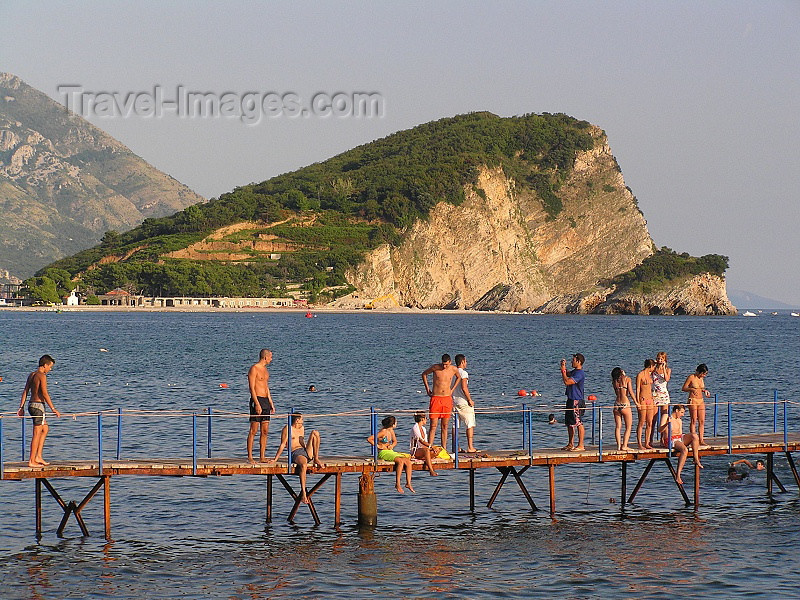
x=645, y=404
x=261, y=406
x=37, y=385
x=441, y=404
x=303, y=452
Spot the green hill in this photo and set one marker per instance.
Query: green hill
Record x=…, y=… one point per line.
x=331, y=213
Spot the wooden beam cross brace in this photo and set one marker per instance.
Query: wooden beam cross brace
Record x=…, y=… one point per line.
x=298, y=497
x=771, y=477
x=647, y=472
x=73, y=508
x=506, y=471
x=790, y=460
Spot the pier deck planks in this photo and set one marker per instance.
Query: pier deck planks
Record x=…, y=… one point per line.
x=180, y=467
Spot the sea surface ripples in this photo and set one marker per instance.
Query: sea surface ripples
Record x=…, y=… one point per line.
x=185, y=537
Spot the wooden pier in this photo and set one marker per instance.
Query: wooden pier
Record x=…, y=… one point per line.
x=511, y=464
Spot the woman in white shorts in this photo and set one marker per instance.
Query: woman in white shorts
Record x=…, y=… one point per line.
x=661, y=376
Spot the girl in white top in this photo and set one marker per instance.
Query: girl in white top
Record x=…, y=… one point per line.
x=661, y=376
x=420, y=446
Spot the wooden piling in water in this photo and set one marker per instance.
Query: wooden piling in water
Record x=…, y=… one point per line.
x=367, y=500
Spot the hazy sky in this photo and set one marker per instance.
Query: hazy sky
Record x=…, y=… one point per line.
x=700, y=100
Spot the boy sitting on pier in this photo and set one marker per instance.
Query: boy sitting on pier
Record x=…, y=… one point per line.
x=302, y=452
x=672, y=430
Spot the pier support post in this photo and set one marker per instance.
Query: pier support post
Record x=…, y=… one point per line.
x=552, y=475
x=38, y=508
x=337, y=512
x=269, y=498
x=770, y=456
x=367, y=501
x=624, y=493
x=107, y=505
x=472, y=490
x=696, y=486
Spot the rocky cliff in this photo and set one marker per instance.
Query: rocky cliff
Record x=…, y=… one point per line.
x=699, y=295
x=499, y=250
x=64, y=182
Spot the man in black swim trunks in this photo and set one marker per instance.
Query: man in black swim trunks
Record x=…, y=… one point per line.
x=37, y=386
x=261, y=406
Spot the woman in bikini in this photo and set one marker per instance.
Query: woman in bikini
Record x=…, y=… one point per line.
x=644, y=404
x=696, y=388
x=386, y=441
x=622, y=407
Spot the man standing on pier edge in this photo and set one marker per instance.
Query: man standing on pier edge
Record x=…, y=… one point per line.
x=572, y=415
x=261, y=405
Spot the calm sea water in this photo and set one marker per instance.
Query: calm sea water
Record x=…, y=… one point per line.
x=185, y=537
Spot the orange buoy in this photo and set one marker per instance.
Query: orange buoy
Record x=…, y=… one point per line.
x=592, y=398
x=522, y=393
x=223, y=385
x=534, y=393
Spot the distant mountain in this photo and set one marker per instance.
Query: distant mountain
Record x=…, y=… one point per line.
x=744, y=299
x=64, y=182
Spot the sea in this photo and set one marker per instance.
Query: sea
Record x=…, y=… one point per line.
x=208, y=538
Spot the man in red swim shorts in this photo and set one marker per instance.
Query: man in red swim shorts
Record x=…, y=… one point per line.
x=441, y=405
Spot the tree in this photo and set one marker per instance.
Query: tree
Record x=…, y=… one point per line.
x=111, y=239
x=43, y=289
x=62, y=279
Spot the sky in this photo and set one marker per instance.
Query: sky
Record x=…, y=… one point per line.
x=700, y=100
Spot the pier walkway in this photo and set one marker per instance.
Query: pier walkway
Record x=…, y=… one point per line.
x=509, y=463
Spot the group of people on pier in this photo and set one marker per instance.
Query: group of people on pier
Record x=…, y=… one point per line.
x=450, y=390
x=652, y=401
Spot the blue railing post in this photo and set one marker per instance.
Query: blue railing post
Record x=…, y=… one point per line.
x=289, y=441
x=669, y=437
x=119, y=433
x=730, y=430
x=374, y=431
x=715, y=415
x=2, y=458
x=23, y=419
x=774, y=411
x=785, y=430
x=208, y=410
x=594, y=418
x=455, y=441
x=99, y=443
x=600, y=433
x=524, y=425
x=530, y=435
x=194, y=443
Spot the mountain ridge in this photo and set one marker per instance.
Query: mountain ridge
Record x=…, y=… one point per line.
x=65, y=182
